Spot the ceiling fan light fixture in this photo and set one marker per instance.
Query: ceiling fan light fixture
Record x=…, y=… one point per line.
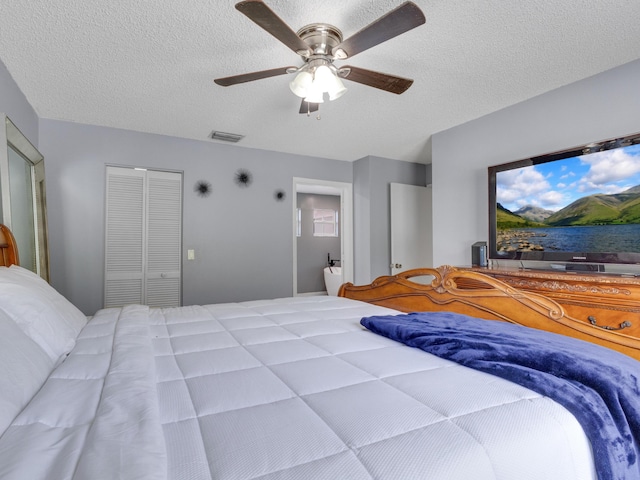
x=335, y=87
x=315, y=97
x=314, y=93
x=322, y=77
x=313, y=86
x=326, y=81
x=301, y=83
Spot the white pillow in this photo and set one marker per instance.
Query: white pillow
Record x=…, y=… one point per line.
x=40, y=311
x=76, y=319
x=24, y=367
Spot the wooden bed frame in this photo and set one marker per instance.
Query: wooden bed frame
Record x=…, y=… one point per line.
x=478, y=295
x=448, y=288
x=8, y=248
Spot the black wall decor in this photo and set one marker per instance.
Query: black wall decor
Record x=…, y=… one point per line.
x=243, y=177
x=280, y=195
x=202, y=188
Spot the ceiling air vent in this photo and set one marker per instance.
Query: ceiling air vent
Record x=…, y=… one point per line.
x=226, y=137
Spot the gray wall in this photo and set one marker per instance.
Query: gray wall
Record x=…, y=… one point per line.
x=312, y=251
x=14, y=104
x=242, y=237
x=372, y=179
x=597, y=108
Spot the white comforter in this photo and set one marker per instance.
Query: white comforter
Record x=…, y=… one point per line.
x=279, y=389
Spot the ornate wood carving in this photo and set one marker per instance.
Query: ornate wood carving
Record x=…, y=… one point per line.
x=472, y=293
x=8, y=248
x=556, y=285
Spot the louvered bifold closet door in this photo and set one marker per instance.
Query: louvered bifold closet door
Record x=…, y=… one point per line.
x=143, y=238
x=125, y=237
x=164, y=239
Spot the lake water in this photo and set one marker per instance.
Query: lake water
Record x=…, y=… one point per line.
x=596, y=238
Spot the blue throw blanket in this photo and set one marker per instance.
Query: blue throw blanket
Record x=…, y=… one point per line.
x=599, y=386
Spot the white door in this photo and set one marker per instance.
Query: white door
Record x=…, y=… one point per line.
x=411, y=234
x=143, y=237
x=164, y=239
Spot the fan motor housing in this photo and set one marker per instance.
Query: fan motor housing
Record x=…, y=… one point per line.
x=321, y=37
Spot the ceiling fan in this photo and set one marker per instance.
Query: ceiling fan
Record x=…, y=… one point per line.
x=320, y=44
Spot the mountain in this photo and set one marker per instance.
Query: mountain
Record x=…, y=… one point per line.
x=535, y=214
x=598, y=209
x=507, y=219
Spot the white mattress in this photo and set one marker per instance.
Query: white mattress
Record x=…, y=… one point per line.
x=279, y=389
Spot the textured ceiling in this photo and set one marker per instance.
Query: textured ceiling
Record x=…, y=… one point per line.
x=149, y=66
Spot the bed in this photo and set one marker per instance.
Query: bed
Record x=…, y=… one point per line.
x=292, y=388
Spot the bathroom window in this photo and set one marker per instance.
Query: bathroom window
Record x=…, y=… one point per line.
x=325, y=223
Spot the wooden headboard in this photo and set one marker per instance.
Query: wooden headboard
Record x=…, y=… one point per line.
x=8, y=248
x=478, y=295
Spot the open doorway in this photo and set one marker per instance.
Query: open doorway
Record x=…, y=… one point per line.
x=343, y=192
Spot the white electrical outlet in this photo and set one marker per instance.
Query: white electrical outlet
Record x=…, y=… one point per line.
x=191, y=254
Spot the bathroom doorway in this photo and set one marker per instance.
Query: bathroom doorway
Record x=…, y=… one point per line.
x=321, y=193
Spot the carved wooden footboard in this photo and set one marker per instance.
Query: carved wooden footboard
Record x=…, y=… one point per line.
x=478, y=295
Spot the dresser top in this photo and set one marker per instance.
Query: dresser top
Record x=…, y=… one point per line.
x=587, y=277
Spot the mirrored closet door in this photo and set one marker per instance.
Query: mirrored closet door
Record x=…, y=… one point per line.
x=22, y=197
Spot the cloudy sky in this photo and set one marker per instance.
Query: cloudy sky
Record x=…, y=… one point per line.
x=555, y=185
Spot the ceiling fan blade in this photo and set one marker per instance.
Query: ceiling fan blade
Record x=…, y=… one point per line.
x=262, y=15
x=383, y=81
x=398, y=21
x=307, y=108
x=250, y=77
